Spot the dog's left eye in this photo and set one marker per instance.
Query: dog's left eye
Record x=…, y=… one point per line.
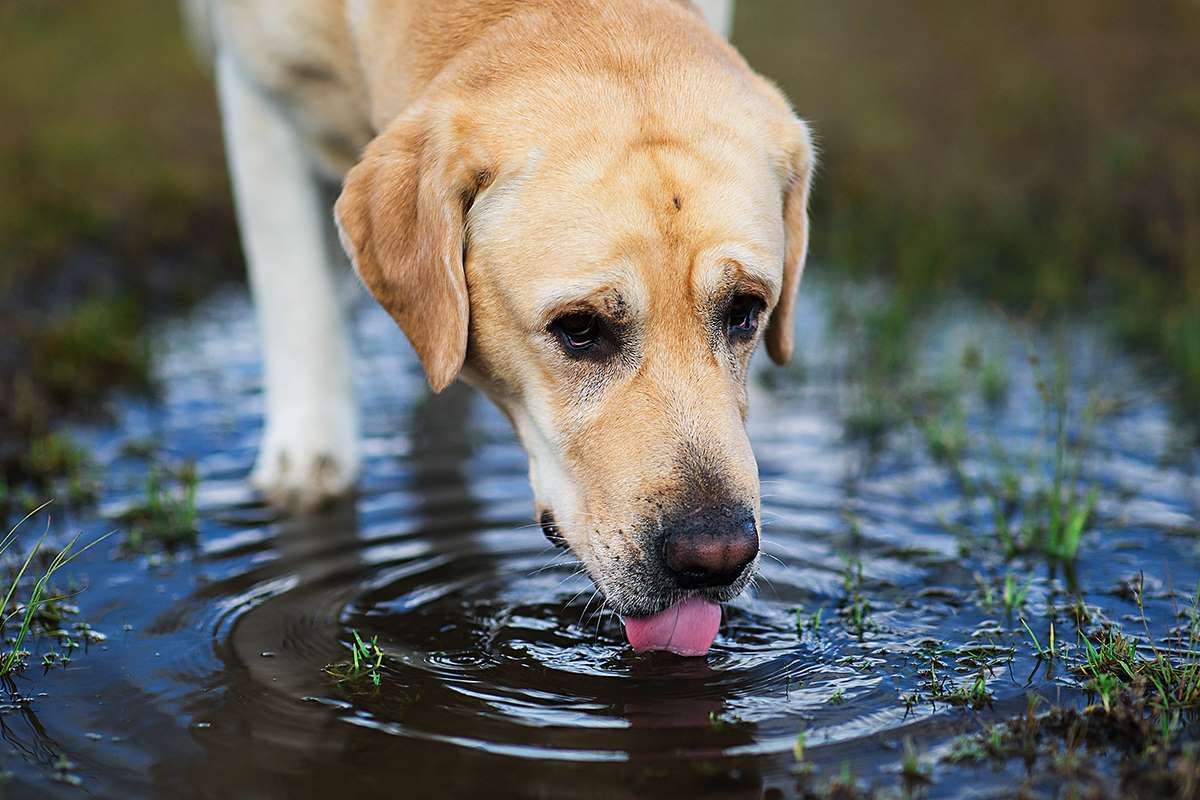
x=742, y=317
x=579, y=332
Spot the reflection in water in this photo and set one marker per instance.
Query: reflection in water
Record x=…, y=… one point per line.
x=500, y=676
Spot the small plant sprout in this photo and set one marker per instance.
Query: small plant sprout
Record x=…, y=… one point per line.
x=719, y=721
x=855, y=609
x=166, y=517
x=838, y=697
x=808, y=622
x=974, y=695
x=1041, y=652
x=1013, y=595
x=366, y=659
x=911, y=768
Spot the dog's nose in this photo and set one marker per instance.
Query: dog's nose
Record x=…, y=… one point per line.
x=712, y=548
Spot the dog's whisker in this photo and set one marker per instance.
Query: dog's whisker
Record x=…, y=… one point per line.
x=573, y=575
x=600, y=619
x=769, y=583
x=553, y=565
x=586, y=606
x=775, y=558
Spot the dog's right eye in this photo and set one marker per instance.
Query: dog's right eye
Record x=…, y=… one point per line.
x=579, y=332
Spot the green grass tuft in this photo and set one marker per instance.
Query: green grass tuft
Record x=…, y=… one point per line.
x=366, y=660
x=41, y=608
x=166, y=517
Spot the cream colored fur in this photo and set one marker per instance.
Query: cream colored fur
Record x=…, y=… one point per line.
x=503, y=164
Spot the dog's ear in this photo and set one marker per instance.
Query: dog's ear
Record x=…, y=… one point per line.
x=800, y=160
x=401, y=218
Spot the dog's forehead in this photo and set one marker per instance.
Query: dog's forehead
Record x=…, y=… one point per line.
x=637, y=226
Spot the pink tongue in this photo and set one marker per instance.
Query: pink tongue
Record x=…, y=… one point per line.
x=686, y=628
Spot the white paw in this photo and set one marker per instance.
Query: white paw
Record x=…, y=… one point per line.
x=305, y=465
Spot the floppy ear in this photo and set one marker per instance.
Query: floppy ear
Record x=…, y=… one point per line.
x=401, y=220
x=801, y=161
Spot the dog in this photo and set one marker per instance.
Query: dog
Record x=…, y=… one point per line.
x=592, y=210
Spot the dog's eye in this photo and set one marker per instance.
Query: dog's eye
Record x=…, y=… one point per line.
x=742, y=317
x=579, y=332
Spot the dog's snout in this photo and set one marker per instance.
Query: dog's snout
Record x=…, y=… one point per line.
x=710, y=548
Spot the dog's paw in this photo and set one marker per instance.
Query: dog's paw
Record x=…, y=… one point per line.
x=307, y=469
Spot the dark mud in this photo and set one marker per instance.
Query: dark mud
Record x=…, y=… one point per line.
x=503, y=675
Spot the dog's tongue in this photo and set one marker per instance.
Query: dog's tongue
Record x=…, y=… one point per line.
x=686, y=628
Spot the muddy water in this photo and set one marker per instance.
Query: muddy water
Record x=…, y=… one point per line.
x=503, y=675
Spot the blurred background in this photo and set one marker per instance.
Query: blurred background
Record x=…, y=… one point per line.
x=1042, y=157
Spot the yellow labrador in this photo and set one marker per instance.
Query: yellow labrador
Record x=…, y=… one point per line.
x=592, y=210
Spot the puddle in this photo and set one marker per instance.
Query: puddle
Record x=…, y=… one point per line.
x=502, y=675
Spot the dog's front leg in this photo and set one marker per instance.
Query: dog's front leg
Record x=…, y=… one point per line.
x=309, y=451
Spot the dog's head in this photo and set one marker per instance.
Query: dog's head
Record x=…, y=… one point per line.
x=603, y=261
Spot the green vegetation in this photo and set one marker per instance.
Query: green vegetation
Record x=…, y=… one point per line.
x=855, y=608
x=912, y=769
x=1040, y=503
x=166, y=518
x=880, y=358
x=31, y=604
x=1050, y=651
x=1052, y=515
x=1040, y=155
x=1142, y=729
x=973, y=694
x=808, y=622
x=1012, y=595
x=937, y=663
x=52, y=463
x=1087, y=752
x=366, y=659
x=1165, y=684
x=107, y=179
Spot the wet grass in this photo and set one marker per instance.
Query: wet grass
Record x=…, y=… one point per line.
x=914, y=770
x=31, y=606
x=49, y=464
x=1166, y=680
x=1139, y=725
x=1039, y=501
x=165, y=519
x=1113, y=752
x=366, y=659
x=1010, y=594
x=855, y=608
x=1047, y=516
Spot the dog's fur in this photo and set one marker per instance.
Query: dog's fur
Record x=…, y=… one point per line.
x=506, y=163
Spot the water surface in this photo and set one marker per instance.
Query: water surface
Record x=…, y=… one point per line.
x=504, y=675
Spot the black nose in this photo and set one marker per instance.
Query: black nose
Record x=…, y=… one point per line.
x=711, y=546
